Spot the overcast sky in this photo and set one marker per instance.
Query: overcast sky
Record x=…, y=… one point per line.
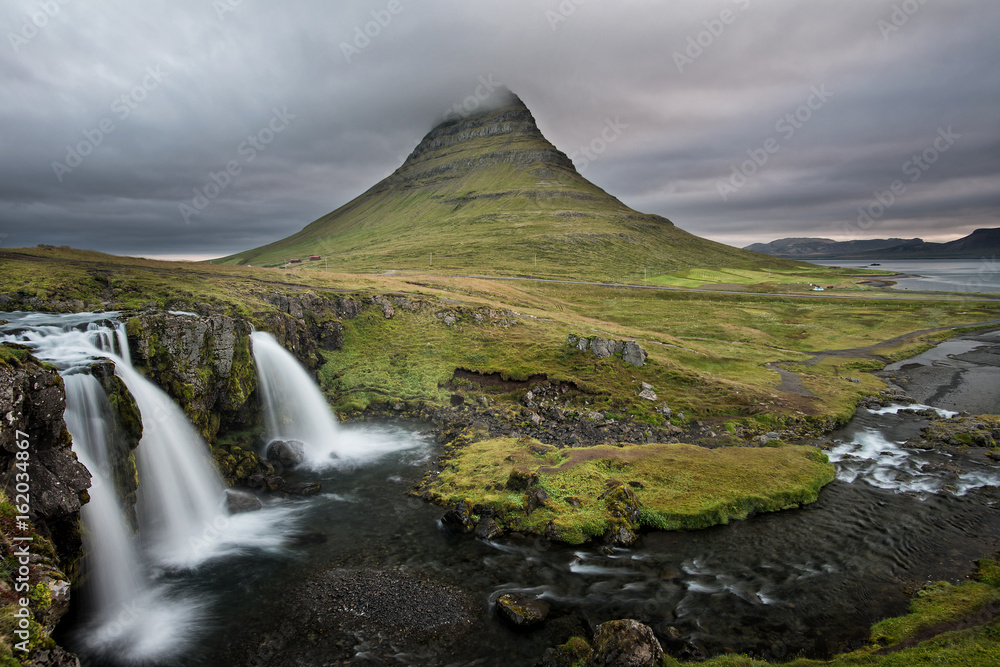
x=114, y=114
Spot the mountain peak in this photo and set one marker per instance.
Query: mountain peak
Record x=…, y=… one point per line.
x=485, y=192
x=502, y=131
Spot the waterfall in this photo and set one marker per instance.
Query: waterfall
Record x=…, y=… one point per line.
x=115, y=576
x=294, y=407
x=129, y=616
x=180, y=499
x=180, y=494
x=122, y=339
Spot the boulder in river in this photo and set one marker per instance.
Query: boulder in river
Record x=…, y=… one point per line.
x=288, y=453
x=304, y=489
x=238, y=501
x=521, y=611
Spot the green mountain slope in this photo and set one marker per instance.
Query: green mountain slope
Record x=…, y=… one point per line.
x=488, y=194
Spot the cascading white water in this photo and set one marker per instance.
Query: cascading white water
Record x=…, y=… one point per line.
x=180, y=499
x=122, y=338
x=294, y=407
x=128, y=616
x=115, y=575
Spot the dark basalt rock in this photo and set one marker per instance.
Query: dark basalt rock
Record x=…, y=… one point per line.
x=520, y=611
x=238, y=502
x=304, y=489
x=289, y=453
x=625, y=643
x=488, y=529
x=458, y=520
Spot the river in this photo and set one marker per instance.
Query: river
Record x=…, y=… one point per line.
x=364, y=574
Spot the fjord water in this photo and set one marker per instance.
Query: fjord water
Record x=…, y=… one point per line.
x=943, y=275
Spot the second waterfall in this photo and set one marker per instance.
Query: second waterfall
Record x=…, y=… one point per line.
x=294, y=407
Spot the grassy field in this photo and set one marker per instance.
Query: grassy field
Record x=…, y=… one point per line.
x=708, y=353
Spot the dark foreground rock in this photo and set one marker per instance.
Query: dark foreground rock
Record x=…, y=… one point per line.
x=520, y=611
x=377, y=616
x=624, y=643
x=238, y=502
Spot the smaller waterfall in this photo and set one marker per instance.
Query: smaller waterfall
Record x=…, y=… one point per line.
x=294, y=407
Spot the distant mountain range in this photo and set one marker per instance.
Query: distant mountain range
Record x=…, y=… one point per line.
x=978, y=244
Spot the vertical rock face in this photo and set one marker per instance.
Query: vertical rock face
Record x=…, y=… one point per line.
x=205, y=363
x=32, y=401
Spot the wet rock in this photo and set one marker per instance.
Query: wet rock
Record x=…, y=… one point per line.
x=238, y=502
x=304, y=489
x=274, y=482
x=307, y=539
x=620, y=536
x=625, y=643
x=520, y=611
x=459, y=519
x=288, y=453
x=488, y=529
x=256, y=481
x=457, y=400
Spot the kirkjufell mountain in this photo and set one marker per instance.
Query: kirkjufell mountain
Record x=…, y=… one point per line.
x=488, y=194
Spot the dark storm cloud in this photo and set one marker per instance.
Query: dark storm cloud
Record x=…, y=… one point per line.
x=284, y=112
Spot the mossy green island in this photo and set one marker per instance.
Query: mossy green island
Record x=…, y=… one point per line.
x=574, y=495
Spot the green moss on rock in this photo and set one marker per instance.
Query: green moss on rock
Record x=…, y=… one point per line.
x=597, y=491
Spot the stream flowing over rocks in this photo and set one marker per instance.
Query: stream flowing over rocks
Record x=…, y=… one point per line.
x=334, y=563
